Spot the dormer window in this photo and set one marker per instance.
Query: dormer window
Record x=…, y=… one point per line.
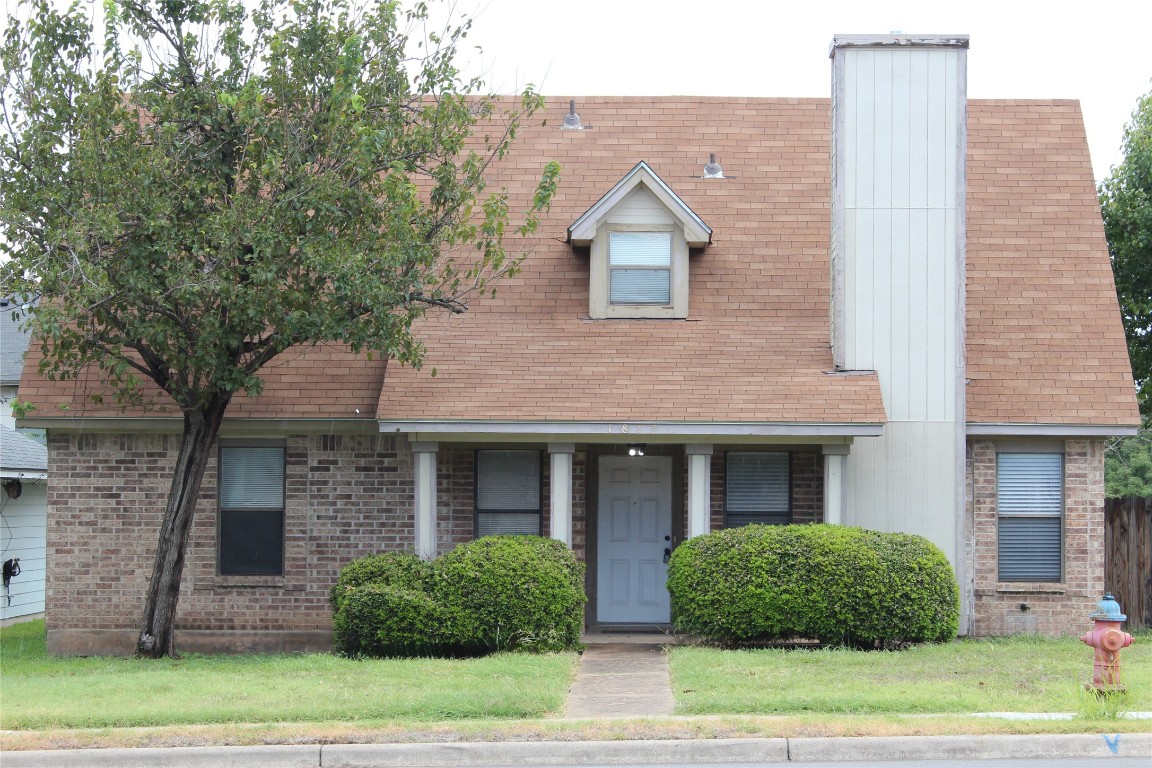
x=640, y=268
x=639, y=235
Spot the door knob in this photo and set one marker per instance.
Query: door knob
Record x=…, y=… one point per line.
x=667, y=555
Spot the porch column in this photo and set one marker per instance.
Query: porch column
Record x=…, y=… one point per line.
x=699, y=489
x=561, y=479
x=835, y=459
x=424, y=498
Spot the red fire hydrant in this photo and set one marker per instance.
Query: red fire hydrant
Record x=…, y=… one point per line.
x=1107, y=638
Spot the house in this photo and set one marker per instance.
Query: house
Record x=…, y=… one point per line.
x=892, y=310
x=23, y=484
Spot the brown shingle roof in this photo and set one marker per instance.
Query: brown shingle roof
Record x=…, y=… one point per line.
x=1044, y=338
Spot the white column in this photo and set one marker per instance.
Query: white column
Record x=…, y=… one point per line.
x=424, y=498
x=561, y=479
x=835, y=459
x=699, y=489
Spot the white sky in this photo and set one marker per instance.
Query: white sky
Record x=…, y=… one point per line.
x=1097, y=52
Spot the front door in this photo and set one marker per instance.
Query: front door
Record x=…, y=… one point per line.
x=633, y=531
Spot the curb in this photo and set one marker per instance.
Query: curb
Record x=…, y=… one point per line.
x=551, y=753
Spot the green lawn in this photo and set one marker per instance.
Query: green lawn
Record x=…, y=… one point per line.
x=1017, y=674
x=327, y=698
x=40, y=691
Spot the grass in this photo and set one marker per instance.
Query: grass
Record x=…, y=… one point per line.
x=39, y=691
x=53, y=703
x=1015, y=674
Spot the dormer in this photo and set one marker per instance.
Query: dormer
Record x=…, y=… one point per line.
x=639, y=234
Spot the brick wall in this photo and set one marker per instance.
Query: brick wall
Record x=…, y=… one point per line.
x=1051, y=608
x=346, y=496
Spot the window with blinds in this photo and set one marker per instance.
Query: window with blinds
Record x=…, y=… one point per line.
x=251, y=489
x=508, y=493
x=758, y=488
x=640, y=268
x=1030, y=502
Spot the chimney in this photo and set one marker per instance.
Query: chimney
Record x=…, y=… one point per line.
x=899, y=111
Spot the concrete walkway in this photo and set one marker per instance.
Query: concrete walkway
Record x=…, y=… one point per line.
x=621, y=679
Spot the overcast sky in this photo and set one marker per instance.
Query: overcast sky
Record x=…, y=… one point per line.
x=1098, y=52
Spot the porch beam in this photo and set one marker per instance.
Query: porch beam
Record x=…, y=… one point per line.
x=424, y=498
x=561, y=479
x=699, y=489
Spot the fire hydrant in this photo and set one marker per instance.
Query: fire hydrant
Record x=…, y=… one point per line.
x=1107, y=638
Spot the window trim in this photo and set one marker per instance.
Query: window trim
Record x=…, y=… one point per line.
x=477, y=511
x=727, y=481
x=600, y=304
x=1033, y=449
x=221, y=511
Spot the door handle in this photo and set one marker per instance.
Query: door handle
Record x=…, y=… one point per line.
x=667, y=555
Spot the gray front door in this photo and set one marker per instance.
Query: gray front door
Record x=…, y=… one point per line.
x=634, y=529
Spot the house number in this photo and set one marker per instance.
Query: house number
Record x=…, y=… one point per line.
x=625, y=429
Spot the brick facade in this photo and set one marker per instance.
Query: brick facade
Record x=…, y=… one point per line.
x=346, y=496
x=351, y=495
x=1049, y=608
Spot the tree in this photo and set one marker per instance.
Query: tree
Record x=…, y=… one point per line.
x=1128, y=466
x=219, y=186
x=1126, y=203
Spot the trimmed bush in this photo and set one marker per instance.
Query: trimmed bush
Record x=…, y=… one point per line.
x=506, y=592
x=381, y=620
x=495, y=593
x=835, y=584
x=396, y=569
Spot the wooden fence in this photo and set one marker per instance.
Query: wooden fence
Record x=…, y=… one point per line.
x=1128, y=556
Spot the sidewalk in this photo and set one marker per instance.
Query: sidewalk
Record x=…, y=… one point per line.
x=805, y=750
x=621, y=680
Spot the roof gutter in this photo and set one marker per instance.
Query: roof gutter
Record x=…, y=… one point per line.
x=634, y=430
x=1008, y=429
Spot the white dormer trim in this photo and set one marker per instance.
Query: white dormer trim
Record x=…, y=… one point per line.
x=696, y=232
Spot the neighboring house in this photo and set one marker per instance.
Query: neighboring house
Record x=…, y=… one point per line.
x=895, y=310
x=23, y=516
x=23, y=482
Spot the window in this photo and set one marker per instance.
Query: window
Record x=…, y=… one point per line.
x=640, y=268
x=508, y=493
x=1030, y=502
x=758, y=489
x=252, y=509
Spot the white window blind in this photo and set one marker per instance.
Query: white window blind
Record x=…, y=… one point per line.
x=1030, y=502
x=640, y=264
x=251, y=477
x=508, y=480
x=507, y=492
x=641, y=249
x=757, y=488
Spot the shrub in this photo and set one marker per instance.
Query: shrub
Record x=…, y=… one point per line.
x=380, y=620
x=835, y=584
x=496, y=593
x=505, y=592
x=397, y=569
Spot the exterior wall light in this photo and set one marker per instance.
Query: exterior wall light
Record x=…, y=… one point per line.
x=635, y=449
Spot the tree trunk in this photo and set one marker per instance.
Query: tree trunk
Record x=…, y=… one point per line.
x=200, y=430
